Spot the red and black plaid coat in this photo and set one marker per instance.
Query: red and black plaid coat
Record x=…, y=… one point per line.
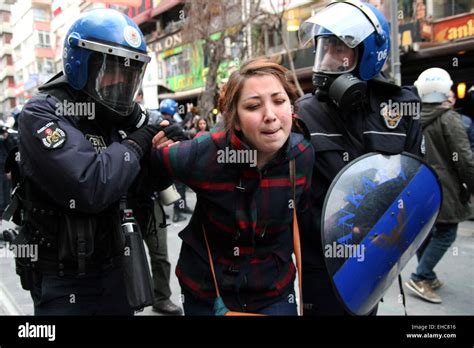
x=247, y=215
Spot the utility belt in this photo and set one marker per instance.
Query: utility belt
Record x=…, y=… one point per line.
x=52, y=267
x=70, y=243
x=66, y=243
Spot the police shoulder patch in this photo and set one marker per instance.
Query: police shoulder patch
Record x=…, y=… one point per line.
x=51, y=136
x=391, y=117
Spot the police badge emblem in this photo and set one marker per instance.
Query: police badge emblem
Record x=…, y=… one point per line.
x=391, y=118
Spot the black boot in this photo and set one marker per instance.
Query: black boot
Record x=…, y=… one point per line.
x=167, y=307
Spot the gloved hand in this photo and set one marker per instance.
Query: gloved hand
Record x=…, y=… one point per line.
x=143, y=137
x=168, y=135
x=137, y=118
x=174, y=132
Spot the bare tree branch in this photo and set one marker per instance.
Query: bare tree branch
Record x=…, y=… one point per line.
x=222, y=20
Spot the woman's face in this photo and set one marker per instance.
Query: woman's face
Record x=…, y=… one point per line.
x=202, y=125
x=264, y=114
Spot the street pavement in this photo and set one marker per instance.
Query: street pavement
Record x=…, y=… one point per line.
x=456, y=269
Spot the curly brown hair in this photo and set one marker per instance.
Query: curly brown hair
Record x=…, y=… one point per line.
x=230, y=92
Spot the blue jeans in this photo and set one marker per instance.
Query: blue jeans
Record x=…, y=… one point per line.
x=439, y=240
x=193, y=306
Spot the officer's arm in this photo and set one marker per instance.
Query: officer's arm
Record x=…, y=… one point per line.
x=66, y=165
x=459, y=147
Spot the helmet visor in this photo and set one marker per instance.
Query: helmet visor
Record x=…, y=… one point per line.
x=114, y=81
x=345, y=21
x=333, y=56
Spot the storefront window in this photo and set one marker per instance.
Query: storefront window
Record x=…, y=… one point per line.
x=179, y=64
x=425, y=9
x=445, y=8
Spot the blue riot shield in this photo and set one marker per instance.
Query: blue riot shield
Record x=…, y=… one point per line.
x=378, y=211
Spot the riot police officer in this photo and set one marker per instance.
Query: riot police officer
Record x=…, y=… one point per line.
x=169, y=110
x=81, y=141
x=352, y=111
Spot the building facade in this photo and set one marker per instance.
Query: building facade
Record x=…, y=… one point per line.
x=431, y=33
x=32, y=45
x=7, y=70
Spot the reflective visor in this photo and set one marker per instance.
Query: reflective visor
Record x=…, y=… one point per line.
x=345, y=21
x=114, y=81
x=333, y=56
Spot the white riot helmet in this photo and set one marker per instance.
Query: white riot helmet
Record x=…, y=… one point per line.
x=434, y=85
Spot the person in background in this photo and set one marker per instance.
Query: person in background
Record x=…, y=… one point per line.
x=151, y=218
x=449, y=153
x=466, y=120
x=168, y=109
x=7, y=143
x=202, y=126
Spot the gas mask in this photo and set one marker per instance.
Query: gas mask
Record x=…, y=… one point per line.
x=332, y=77
x=346, y=91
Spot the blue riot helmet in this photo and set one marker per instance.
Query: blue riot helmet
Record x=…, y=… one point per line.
x=105, y=56
x=352, y=44
x=168, y=106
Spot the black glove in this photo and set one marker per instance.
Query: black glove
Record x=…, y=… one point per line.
x=143, y=137
x=175, y=132
x=137, y=118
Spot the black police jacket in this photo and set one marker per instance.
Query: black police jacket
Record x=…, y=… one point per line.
x=75, y=169
x=340, y=137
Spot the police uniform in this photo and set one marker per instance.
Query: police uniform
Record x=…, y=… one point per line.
x=339, y=137
x=75, y=168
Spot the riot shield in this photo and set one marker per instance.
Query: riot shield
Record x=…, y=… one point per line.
x=378, y=211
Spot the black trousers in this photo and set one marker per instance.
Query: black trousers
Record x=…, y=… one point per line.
x=158, y=251
x=95, y=294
